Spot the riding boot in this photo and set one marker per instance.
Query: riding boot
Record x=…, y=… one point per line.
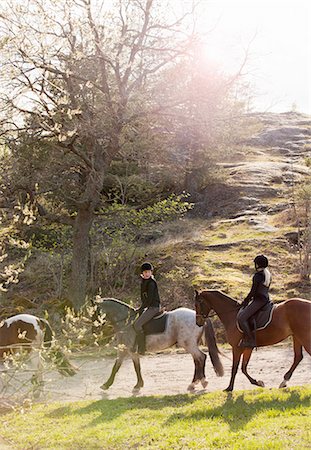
x=141, y=344
x=248, y=340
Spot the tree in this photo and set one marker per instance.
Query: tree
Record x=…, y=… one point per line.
x=82, y=76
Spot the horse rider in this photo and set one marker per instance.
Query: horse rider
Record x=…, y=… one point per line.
x=255, y=300
x=150, y=304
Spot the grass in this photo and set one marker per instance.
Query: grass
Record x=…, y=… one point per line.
x=218, y=255
x=256, y=419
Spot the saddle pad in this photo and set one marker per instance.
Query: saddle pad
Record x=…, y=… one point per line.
x=261, y=319
x=156, y=325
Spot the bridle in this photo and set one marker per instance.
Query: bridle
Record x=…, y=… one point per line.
x=203, y=315
x=208, y=315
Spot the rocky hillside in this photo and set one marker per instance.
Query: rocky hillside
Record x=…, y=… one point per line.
x=251, y=213
x=268, y=166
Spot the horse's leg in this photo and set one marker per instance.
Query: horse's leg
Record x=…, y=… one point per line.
x=116, y=367
x=203, y=379
x=136, y=362
x=246, y=357
x=297, y=358
x=37, y=377
x=236, y=356
x=199, y=359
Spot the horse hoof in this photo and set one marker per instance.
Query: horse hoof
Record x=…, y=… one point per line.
x=204, y=383
x=37, y=394
x=104, y=387
x=228, y=389
x=135, y=390
x=283, y=384
x=260, y=383
x=137, y=387
x=190, y=388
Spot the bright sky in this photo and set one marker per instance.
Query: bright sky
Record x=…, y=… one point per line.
x=278, y=34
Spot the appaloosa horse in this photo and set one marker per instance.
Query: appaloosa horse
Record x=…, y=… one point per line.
x=29, y=334
x=290, y=318
x=180, y=329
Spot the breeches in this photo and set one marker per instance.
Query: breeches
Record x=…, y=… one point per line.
x=250, y=310
x=147, y=315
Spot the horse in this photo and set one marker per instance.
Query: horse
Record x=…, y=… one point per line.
x=25, y=333
x=290, y=318
x=180, y=329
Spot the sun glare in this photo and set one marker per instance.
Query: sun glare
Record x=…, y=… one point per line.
x=276, y=37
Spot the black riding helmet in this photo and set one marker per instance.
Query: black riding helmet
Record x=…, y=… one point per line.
x=146, y=266
x=261, y=261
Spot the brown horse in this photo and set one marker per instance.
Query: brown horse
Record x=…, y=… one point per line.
x=290, y=318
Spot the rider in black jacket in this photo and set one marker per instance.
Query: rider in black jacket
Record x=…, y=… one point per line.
x=255, y=300
x=150, y=304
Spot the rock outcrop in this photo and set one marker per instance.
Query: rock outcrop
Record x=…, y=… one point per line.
x=258, y=184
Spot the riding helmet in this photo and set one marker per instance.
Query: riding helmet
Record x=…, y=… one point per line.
x=146, y=266
x=261, y=261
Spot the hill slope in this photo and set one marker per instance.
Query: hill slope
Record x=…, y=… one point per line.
x=251, y=213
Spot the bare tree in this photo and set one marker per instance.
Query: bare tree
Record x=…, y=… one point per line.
x=77, y=78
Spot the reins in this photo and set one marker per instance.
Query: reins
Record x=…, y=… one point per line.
x=209, y=315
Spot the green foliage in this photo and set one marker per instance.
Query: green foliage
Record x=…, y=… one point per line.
x=118, y=236
x=129, y=222
x=258, y=419
x=52, y=238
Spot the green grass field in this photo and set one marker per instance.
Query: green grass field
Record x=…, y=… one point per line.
x=256, y=419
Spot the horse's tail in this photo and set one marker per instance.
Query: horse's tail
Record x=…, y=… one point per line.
x=55, y=353
x=48, y=332
x=212, y=348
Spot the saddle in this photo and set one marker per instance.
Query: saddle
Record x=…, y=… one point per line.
x=261, y=319
x=157, y=324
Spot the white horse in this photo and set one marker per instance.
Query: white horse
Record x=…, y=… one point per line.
x=180, y=329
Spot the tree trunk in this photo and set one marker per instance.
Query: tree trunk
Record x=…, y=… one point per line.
x=80, y=256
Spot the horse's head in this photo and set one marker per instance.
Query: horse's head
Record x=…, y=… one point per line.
x=202, y=308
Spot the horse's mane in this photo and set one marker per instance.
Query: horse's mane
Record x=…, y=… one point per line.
x=115, y=300
x=221, y=294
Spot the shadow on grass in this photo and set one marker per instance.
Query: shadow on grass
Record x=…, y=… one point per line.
x=236, y=409
x=109, y=410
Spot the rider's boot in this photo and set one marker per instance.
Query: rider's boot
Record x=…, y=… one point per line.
x=248, y=340
x=141, y=343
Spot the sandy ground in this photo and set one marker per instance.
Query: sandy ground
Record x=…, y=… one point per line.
x=170, y=374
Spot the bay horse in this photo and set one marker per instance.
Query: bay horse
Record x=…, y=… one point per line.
x=290, y=318
x=25, y=333
x=181, y=329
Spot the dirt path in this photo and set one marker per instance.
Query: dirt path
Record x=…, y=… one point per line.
x=171, y=373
